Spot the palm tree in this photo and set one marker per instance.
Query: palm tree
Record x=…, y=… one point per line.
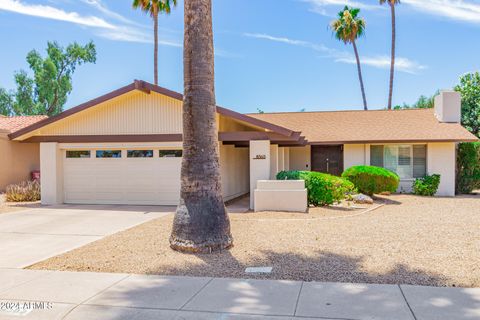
x=201, y=222
x=154, y=7
x=348, y=28
x=392, y=4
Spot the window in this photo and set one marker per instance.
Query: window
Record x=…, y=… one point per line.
x=109, y=154
x=419, y=161
x=170, y=153
x=376, y=156
x=139, y=153
x=78, y=154
x=408, y=161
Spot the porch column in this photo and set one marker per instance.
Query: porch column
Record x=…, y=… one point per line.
x=273, y=161
x=281, y=159
x=259, y=164
x=51, y=173
x=286, y=159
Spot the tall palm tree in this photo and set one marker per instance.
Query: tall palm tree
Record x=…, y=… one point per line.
x=201, y=222
x=348, y=28
x=154, y=7
x=392, y=4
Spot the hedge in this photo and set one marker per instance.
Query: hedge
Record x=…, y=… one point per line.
x=468, y=167
x=370, y=179
x=323, y=189
x=426, y=186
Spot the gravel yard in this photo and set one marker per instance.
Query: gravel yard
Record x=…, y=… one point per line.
x=409, y=240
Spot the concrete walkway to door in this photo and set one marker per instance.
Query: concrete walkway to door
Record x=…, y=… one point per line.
x=33, y=235
x=108, y=296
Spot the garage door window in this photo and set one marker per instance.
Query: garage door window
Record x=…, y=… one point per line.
x=139, y=153
x=78, y=154
x=170, y=153
x=109, y=154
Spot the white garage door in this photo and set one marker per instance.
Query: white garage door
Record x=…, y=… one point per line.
x=133, y=176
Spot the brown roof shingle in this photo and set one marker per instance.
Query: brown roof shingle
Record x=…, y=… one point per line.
x=369, y=126
x=12, y=124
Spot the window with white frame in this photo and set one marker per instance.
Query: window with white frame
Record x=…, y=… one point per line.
x=408, y=161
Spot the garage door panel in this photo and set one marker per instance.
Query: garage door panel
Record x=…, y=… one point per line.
x=148, y=181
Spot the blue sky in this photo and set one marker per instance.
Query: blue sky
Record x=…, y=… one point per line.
x=276, y=55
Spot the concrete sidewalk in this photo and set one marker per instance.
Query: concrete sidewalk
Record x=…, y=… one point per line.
x=80, y=295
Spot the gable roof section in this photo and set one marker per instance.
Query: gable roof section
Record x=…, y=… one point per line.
x=375, y=126
x=147, y=88
x=12, y=124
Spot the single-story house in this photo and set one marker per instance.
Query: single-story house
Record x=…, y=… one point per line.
x=17, y=160
x=125, y=147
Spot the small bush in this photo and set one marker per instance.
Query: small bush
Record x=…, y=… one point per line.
x=426, y=186
x=468, y=167
x=370, y=179
x=23, y=192
x=323, y=189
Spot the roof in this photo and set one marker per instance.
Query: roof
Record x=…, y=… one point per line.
x=12, y=124
x=147, y=88
x=330, y=127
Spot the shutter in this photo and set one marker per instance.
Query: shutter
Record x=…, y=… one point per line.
x=376, y=156
x=419, y=161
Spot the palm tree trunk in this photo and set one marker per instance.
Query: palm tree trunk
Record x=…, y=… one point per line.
x=201, y=222
x=359, y=68
x=155, y=50
x=392, y=63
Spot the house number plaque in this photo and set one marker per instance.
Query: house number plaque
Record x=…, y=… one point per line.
x=260, y=157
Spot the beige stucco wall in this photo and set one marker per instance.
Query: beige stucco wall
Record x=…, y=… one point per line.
x=234, y=168
x=17, y=160
x=441, y=160
x=51, y=170
x=299, y=158
x=259, y=157
x=354, y=155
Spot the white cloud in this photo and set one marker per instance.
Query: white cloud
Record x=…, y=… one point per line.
x=460, y=10
x=49, y=12
x=127, y=31
x=306, y=44
x=382, y=62
x=319, y=6
x=100, y=6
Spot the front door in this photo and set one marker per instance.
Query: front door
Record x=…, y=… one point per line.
x=327, y=159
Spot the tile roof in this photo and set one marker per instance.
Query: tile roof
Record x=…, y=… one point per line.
x=369, y=126
x=12, y=124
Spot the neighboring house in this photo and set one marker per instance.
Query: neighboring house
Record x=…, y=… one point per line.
x=17, y=159
x=126, y=146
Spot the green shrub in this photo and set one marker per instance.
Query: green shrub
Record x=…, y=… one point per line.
x=24, y=191
x=468, y=167
x=323, y=189
x=370, y=179
x=426, y=186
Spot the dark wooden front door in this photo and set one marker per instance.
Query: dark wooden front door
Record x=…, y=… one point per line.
x=327, y=159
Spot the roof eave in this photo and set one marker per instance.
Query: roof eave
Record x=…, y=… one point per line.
x=146, y=88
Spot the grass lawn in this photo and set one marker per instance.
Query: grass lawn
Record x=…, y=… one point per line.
x=410, y=240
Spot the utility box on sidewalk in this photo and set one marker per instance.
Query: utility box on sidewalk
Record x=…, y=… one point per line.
x=280, y=195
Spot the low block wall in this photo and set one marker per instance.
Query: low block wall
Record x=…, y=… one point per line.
x=280, y=195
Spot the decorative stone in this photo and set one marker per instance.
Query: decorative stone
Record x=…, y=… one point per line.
x=258, y=270
x=361, y=198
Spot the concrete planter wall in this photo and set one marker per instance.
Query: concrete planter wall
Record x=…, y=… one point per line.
x=280, y=195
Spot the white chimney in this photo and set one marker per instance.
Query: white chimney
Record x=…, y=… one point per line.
x=448, y=106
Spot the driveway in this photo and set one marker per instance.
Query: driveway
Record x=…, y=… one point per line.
x=32, y=235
